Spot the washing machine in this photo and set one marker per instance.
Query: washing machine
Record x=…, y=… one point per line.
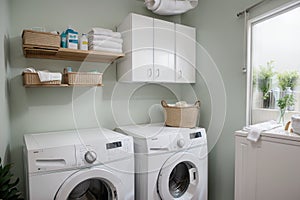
x=170, y=163
x=88, y=164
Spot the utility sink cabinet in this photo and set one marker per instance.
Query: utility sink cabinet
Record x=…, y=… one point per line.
x=269, y=168
x=156, y=51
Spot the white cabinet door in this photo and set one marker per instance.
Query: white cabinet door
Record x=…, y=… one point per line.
x=268, y=169
x=142, y=48
x=185, y=54
x=156, y=51
x=164, y=51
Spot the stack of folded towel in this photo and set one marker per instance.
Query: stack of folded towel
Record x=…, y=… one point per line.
x=101, y=39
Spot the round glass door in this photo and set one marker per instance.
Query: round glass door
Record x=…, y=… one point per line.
x=179, y=180
x=179, y=177
x=92, y=189
x=91, y=184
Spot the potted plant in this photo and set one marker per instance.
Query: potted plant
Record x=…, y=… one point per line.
x=283, y=103
x=264, y=81
x=287, y=82
x=8, y=189
x=288, y=79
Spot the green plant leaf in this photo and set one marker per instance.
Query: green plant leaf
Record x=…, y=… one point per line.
x=8, y=189
x=287, y=100
x=5, y=170
x=264, y=78
x=288, y=79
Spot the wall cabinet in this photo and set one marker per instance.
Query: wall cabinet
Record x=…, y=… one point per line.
x=156, y=51
x=185, y=54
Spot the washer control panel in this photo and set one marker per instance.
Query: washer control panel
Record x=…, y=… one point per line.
x=66, y=150
x=187, y=138
x=103, y=151
x=174, y=139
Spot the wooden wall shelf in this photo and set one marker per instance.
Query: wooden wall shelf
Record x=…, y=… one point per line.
x=71, y=54
x=60, y=86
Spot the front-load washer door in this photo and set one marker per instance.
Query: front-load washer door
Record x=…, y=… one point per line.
x=91, y=184
x=179, y=177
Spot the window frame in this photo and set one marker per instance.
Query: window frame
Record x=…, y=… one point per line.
x=270, y=14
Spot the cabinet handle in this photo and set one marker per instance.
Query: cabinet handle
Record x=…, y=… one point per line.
x=157, y=73
x=180, y=74
x=149, y=72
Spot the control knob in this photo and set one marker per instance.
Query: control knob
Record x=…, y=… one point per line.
x=180, y=143
x=90, y=156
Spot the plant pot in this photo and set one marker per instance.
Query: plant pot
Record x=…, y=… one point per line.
x=266, y=103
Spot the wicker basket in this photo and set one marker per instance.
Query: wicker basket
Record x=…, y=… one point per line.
x=40, y=39
x=181, y=116
x=83, y=78
x=30, y=78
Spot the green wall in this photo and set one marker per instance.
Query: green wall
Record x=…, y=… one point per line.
x=4, y=71
x=220, y=81
x=49, y=109
x=220, y=45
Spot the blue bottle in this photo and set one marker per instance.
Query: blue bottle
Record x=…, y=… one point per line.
x=63, y=40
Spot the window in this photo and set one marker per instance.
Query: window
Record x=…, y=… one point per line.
x=274, y=61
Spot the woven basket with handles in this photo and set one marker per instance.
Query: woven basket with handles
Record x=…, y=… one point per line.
x=181, y=116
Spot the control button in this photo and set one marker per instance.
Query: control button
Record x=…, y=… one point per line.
x=180, y=143
x=90, y=156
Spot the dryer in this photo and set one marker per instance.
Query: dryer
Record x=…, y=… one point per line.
x=170, y=163
x=88, y=164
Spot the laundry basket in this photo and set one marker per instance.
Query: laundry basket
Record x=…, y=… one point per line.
x=181, y=116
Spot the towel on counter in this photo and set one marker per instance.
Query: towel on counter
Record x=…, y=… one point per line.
x=99, y=48
x=49, y=76
x=104, y=37
x=256, y=129
x=106, y=44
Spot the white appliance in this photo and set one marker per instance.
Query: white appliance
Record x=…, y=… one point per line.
x=170, y=7
x=170, y=163
x=269, y=168
x=81, y=164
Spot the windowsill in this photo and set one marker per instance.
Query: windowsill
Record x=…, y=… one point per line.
x=262, y=114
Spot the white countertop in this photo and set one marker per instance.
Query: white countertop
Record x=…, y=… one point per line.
x=275, y=133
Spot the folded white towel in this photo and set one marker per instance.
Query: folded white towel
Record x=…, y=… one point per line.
x=106, y=44
x=111, y=34
x=104, y=37
x=98, y=48
x=256, y=129
x=49, y=76
x=97, y=30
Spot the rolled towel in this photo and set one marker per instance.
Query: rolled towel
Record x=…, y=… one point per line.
x=104, y=37
x=30, y=69
x=49, y=76
x=98, y=48
x=106, y=44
